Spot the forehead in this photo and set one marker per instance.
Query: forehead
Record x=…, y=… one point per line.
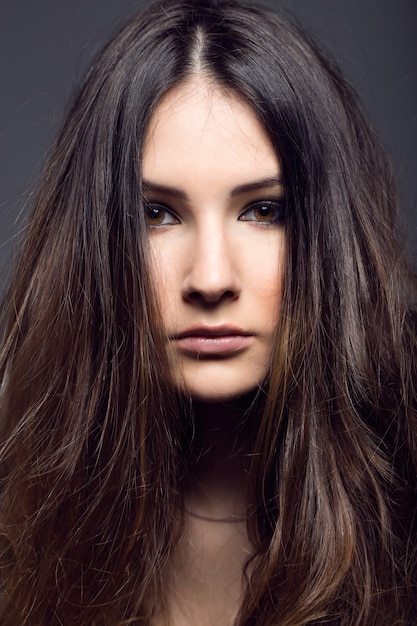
x=201, y=125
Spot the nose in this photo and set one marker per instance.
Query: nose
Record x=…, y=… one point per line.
x=211, y=274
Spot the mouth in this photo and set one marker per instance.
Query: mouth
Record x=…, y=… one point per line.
x=212, y=341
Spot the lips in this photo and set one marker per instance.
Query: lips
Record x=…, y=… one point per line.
x=212, y=340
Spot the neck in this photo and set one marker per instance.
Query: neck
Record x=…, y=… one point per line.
x=217, y=482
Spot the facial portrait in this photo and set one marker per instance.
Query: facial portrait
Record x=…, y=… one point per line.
x=208, y=361
x=216, y=221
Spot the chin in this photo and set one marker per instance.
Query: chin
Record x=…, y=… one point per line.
x=221, y=381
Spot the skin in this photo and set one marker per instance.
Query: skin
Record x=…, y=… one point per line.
x=217, y=246
x=216, y=212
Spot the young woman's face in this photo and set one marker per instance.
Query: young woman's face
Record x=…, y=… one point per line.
x=216, y=211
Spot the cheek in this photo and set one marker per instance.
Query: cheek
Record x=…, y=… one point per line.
x=267, y=300
x=266, y=281
x=164, y=270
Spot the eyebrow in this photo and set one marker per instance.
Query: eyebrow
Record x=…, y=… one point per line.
x=265, y=183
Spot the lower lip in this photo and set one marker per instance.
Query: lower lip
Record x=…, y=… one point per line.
x=213, y=345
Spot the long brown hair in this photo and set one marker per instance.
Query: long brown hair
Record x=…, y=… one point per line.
x=92, y=436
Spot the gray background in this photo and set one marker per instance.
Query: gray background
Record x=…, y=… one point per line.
x=46, y=45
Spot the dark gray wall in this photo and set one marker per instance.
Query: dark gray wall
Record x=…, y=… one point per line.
x=46, y=45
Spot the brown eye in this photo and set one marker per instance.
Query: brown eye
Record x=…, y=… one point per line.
x=264, y=213
x=267, y=212
x=158, y=215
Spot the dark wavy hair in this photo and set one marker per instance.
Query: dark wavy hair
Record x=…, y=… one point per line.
x=92, y=437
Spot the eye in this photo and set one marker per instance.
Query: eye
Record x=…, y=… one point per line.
x=158, y=215
x=264, y=212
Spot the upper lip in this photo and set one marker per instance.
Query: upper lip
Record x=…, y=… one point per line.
x=211, y=331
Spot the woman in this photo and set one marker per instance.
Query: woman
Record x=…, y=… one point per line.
x=208, y=397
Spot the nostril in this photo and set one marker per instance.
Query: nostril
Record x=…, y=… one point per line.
x=211, y=297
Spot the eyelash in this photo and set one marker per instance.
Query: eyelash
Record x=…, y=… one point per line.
x=277, y=206
x=155, y=208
